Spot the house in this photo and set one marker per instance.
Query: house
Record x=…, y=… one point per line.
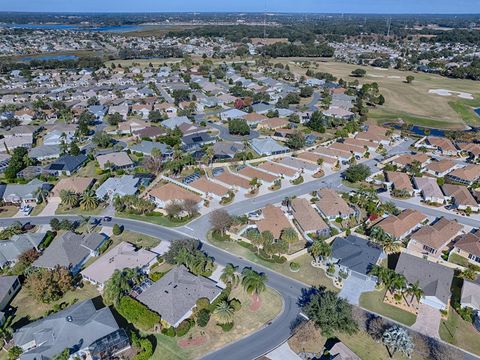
x=254, y=118
x=4, y=161
x=332, y=205
x=470, y=296
x=164, y=194
x=232, y=114
x=399, y=227
x=279, y=170
x=118, y=186
x=302, y=166
x=150, y=132
x=375, y=134
x=175, y=295
x=66, y=165
x=121, y=109
x=11, y=142
x=146, y=148
x=406, y=160
x=434, y=279
x=115, y=160
x=253, y=173
x=209, y=188
x=9, y=286
x=268, y=146
x=122, y=256
x=466, y=175
x=355, y=254
x=80, y=328
x=76, y=184
x=468, y=246
x=430, y=190
x=130, y=126
x=44, y=152
x=308, y=219
x=471, y=149
x=273, y=220
x=24, y=194
x=338, y=113
x=176, y=121
x=273, y=123
x=70, y=250
x=440, y=168
x=399, y=181
x=461, y=197
x=227, y=149
x=235, y=182
x=442, y=144
x=434, y=239
x=12, y=248
x=357, y=151
x=196, y=141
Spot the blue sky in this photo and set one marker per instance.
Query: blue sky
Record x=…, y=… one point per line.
x=316, y=6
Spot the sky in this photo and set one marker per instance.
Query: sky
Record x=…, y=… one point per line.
x=305, y=6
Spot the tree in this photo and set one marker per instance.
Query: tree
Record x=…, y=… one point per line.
x=174, y=209
x=46, y=285
x=102, y=139
x=154, y=162
x=306, y=91
x=289, y=235
x=229, y=275
x=14, y=353
x=238, y=127
x=176, y=246
x=359, y=73
x=296, y=141
x=114, y=119
x=330, y=313
x=69, y=198
x=119, y=284
x=117, y=229
x=253, y=282
x=88, y=200
x=396, y=339
x=410, y=79
x=320, y=249
x=18, y=162
x=74, y=149
x=415, y=291
x=220, y=220
x=203, y=317
x=356, y=173
x=190, y=206
x=224, y=313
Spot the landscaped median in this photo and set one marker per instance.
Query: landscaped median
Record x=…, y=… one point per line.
x=253, y=315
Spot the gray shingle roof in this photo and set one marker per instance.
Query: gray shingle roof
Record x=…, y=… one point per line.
x=434, y=279
x=176, y=293
x=355, y=253
x=69, y=250
x=124, y=185
x=146, y=147
x=18, y=244
x=6, y=283
x=76, y=328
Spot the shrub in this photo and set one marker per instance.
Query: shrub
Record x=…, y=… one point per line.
x=226, y=327
x=184, y=327
x=203, y=303
x=47, y=240
x=294, y=266
x=157, y=275
x=145, y=345
x=169, y=332
x=236, y=304
x=137, y=313
x=203, y=317
x=117, y=229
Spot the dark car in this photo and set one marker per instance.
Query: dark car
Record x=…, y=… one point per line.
x=107, y=218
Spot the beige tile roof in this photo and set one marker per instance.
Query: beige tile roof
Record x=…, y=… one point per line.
x=443, y=143
x=306, y=216
x=170, y=192
x=470, y=172
x=408, y=159
x=75, y=184
x=231, y=179
x=469, y=243
x=461, y=194
x=313, y=157
x=360, y=143
x=441, y=165
x=401, y=224
x=207, y=186
x=471, y=148
x=274, y=221
x=331, y=203
x=400, y=180
x=438, y=235
x=277, y=169
x=117, y=158
x=252, y=173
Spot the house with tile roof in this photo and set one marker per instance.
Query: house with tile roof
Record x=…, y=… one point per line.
x=307, y=219
x=399, y=227
x=468, y=246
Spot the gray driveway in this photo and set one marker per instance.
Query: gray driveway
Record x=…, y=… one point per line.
x=428, y=321
x=354, y=286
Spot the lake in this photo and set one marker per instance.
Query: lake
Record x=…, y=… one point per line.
x=114, y=28
x=49, y=57
x=477, y=111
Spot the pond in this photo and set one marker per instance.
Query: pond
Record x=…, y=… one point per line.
x=49, y=57
x=425, y=131
x=477, y=111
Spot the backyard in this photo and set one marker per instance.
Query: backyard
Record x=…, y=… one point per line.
x=459, y=332
x=246, y=322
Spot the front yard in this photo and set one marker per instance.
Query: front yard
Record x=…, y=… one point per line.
x=154, y=219
x=373, y=301
x=247, y=321
x=459, y=332
x=8, y=211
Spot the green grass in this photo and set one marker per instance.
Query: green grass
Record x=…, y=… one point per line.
x=77, y=211
x=373, y=301
x=465, y=109
x=38, y=209
x=457, y=259
x=8, y=211
x=382, y=116
x=158, y=220
x=167, y=349
x=307, y=274
x=459, y=332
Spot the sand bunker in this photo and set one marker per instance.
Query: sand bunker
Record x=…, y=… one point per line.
x=444, y=92
x=375, y=75
x=394, y=77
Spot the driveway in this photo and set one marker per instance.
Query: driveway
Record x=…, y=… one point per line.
x=283, y=352
x=428, y=321
x=354, y=286
x=51, y=207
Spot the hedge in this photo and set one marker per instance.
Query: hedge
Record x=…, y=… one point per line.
x=145, y=345
x=50, y=235
x=137, y=314
x=184, y=327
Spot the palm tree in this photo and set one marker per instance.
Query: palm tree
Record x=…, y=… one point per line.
x=42, y=194
x=253, y=282
x=391, y=246
x=415, y=291
x=320, y=250
x=289, y=235
x=118, y=285
x=397, y=282
x=69, y=198
x=378, y=234
x=88, y=200
x=224, y=313
x=230, y=276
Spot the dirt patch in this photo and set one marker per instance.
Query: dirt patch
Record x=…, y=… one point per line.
x=256, y=303
x=193, y=342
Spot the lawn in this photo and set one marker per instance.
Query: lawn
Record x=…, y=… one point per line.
x=61, y=210
x=139, y=240
x=457, y=259
x=29, y=309
x=307, y=274
x=411, y=102
x=8, y=211
x=89, y=170
x=246, y=322
x=154, y=219
x=38, y=209
x=459, y=332
x=373, y=301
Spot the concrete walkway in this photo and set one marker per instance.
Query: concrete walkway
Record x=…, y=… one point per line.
x=283, y=352
x=428, y=321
